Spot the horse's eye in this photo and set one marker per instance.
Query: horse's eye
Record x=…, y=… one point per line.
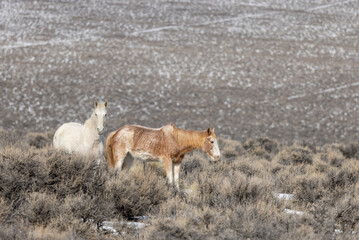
x=96, y=114
x=106, y=115
x=212, y=142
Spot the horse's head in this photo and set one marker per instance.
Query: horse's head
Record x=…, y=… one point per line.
x=210, y=145
x=100, y=114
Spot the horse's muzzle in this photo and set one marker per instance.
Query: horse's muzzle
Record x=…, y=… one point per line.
x=100, y=132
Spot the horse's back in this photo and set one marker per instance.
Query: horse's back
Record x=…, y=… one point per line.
x=137, y=138
x=123, y=136
x=69, y=125
x=142, y=131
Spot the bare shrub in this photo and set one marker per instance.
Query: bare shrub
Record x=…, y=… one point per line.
x=324, y=214
x=333, y=156
x=55, y=194
x=175, y=207
x=253, y=189
x=230, y=149
x=247, y=169
x=71, y=174
x=89, y=208
x=136, y=193
x=344, y=178
x=5, y=211
x=40, y=208
x=319, y=165
x=172, y=230
x=306, y=231
x=11, y=138
x=307, y=144
x=40, y=140
x=189, y=166
x=220, y=191
x=254, y=166
x=295, y=155
x=17, y=230
x=286, y=177
x=74, y=228
x=157, y=168
x=309, y=188
x=258, y=221
x=350, y=151
x=46, y=233
x=254, y=220
x=264, y=147
x=196, y=162
x=347, y=212
x=22, y=172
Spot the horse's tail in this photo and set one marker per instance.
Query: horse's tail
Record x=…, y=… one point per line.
x=109, y=150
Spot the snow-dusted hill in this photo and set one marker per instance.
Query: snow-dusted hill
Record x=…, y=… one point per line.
x=285, y=69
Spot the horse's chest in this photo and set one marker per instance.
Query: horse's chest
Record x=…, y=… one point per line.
x=89, y=144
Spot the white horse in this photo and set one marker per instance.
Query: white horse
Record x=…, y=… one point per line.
x=83, y=139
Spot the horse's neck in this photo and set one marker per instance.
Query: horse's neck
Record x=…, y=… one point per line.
x=188, y=140
x=90, y=127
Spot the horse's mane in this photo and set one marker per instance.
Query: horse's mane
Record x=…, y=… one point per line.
x=188, y=138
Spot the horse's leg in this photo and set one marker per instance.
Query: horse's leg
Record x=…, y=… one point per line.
x=97, y=151
x=127, y=161
x=169, y=172
x=144, y=165
x=119, y=155
x=176, y=172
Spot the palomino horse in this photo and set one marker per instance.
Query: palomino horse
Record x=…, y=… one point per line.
x=83, y=139
x=167, y=144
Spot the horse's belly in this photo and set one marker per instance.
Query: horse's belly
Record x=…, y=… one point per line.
x=145, y=156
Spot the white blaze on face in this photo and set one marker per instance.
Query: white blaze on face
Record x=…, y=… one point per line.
x=215, y=151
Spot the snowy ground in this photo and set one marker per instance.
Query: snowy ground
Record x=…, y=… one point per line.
x=284, y=69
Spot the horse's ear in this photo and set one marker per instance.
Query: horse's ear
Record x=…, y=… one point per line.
x=172, y=124
x=106, y=104
x=95, y=104
x=209, y=131
x=213, y=130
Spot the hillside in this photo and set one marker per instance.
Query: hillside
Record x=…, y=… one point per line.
x=285, y=70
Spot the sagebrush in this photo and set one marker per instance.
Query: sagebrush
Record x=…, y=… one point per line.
x=46, y=194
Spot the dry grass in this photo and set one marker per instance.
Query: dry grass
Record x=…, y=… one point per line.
x=45, y=194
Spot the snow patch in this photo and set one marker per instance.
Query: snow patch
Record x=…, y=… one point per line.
x=110, y=226
x=283, y=196
x=290, y=211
